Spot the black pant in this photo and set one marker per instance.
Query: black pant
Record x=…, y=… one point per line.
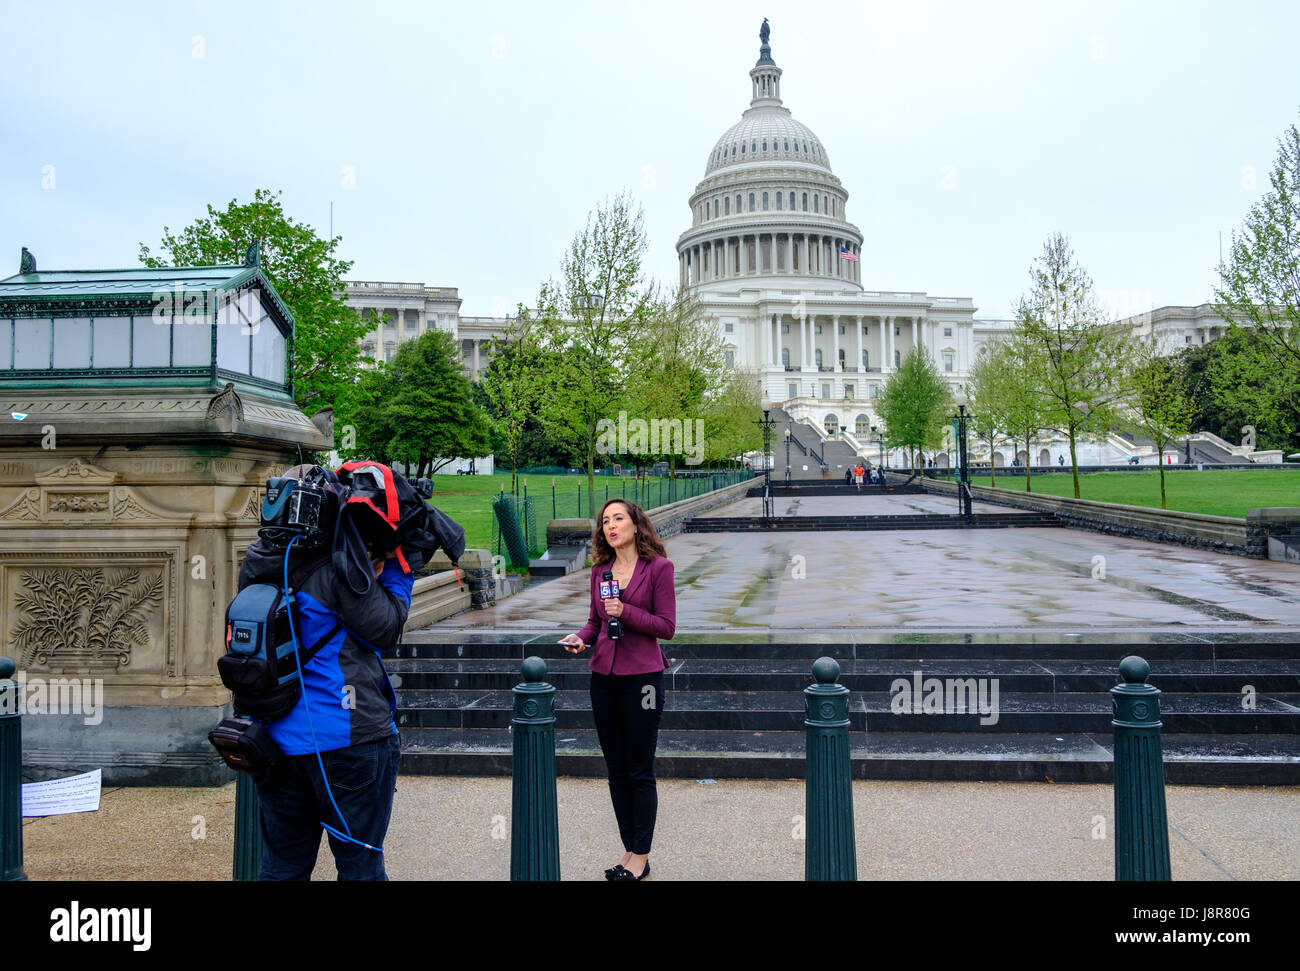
x=627, y=709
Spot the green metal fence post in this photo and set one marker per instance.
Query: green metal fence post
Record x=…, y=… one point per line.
x=535, y=818
x=11, y=775
x=830, y=851
x=248, y=828
x=1141, y=822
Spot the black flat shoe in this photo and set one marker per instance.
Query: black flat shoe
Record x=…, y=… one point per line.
x=625, y=875
x=612, y=872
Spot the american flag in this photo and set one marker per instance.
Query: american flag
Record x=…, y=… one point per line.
x=846, y=255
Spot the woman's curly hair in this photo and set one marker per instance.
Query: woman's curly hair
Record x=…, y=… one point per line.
x=648, y=544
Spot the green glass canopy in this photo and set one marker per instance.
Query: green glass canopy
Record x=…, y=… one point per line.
x=203, y=326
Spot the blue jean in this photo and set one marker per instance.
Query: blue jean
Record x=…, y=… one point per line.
x=363, y=779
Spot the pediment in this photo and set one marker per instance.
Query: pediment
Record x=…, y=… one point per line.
x=77, y=472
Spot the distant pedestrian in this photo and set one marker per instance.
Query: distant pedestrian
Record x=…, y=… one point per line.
x=848, y=475
x=858, y=473
x=1060, y=459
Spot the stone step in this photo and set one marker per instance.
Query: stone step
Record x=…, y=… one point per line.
x=795, y=488
x=1047, y=648
x=784, y=711
x=1190, y=759
x=558, y=561
x=874, y=675
x=720, y=524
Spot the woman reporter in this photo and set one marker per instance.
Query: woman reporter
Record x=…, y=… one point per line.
x=627, y=674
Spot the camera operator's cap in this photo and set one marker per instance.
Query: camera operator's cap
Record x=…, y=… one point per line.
x=372, y=485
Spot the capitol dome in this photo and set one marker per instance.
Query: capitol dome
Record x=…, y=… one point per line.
x=765, y=135
x=769, y=204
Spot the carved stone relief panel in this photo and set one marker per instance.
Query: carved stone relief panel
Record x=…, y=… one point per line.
x=98, y=612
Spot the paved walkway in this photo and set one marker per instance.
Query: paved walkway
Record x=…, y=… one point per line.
x=458, y=829
x=965, y=579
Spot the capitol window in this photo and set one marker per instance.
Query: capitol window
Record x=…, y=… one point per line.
x=765, y=146
x=753, y=146
x=805, y=202
x=947, y=332
x=742, y=148
x=947, y=362
x=792, y=202
x=764, y=201
x=816, y=200
x=778, y=201
x=787, y=146
x=751, y=202
x=727, y=206
x=733, y=149
x=730, y=328
x=731, y=358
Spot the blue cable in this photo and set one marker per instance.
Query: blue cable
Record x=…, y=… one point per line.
x=346, y=835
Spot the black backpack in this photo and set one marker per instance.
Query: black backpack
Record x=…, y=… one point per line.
x=259, y=666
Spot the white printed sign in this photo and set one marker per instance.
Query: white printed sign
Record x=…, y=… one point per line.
x=76, y=794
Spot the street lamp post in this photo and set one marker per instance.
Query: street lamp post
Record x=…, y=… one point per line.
x=767, y=424
x=879, y=439
x=963, y=473
x=787, y=455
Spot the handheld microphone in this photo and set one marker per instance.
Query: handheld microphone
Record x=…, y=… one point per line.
x=609, y=589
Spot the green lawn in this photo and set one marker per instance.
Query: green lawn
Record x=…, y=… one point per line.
x=1213, y=492
x=468, y=498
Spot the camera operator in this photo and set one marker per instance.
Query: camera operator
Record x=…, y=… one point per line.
x=345, y=711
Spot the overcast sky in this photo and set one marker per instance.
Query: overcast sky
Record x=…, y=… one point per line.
x=463, y=144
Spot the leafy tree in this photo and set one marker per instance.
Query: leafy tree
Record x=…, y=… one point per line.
x=1234, y=385
x=677, y=366
x=1261, y=280
x=514, y=382
x=1061, y=318
x=304, y=271
x=1159, y=406
x=988, y=393
x=914, y=404
x=1024, y=368
x=420, y=408
x=588, y=320
x=729, y=416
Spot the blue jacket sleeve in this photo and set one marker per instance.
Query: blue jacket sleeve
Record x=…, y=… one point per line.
x=378, y=616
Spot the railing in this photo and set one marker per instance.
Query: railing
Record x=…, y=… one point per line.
x=381, y=285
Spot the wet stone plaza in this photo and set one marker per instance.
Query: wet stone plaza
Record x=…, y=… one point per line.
x=995, y=580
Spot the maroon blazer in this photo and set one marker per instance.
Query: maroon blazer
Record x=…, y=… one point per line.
x=649, y=612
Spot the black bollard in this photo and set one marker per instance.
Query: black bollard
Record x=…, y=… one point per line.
x=830, y=851
x=535, y=815
x=1141, y=823
x=11, y=774
x=248, y=828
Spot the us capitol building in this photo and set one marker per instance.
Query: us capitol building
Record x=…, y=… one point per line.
x=776, y=266
x=774, y=260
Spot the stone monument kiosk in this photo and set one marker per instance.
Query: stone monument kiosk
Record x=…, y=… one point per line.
x=141, y=412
